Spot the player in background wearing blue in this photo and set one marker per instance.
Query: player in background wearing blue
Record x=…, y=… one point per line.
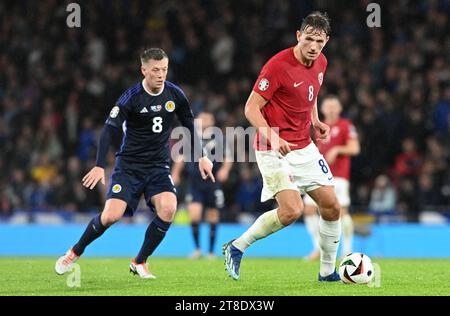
x=201, y=195
x=145, y=112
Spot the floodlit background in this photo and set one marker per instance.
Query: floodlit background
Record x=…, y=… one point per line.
x=58, y=84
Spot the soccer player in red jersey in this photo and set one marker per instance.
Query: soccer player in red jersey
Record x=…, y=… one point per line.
x=283, y=105
x=342, y=145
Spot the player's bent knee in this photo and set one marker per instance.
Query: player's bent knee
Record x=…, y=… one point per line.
x=289, y=214
x=292, y=217
x=167, y=212
x=331, y=212
x=296, y=214
x=337, y=211
x=110, y=218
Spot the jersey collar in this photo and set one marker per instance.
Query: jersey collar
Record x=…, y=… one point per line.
x=153, y=94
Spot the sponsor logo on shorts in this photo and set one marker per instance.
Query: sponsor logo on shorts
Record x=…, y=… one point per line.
x=116, y=188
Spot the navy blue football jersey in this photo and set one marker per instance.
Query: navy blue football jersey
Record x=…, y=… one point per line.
x=146, y=120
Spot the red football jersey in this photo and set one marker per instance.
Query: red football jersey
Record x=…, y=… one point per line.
x=291, y=89
x=340, y=133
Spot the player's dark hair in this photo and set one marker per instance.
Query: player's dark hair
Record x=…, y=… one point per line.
x=318, y=21
x=331, y=97
x=152, y=53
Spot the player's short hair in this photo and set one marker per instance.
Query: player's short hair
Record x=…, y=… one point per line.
x=152, y=53
x=318, y=21
x=331, y=97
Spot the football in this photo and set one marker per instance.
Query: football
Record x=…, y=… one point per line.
x=356, y=268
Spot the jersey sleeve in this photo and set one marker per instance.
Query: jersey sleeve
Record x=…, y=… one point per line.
x=183, y=110
x=268, y=81
x=351, y=132
x=121, y=111
x=104, y=142
x=186, y=117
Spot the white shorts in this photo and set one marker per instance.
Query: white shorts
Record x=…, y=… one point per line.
x=342, y=189
x=302, y=170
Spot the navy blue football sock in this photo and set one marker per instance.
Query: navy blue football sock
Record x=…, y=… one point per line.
x=153, y=236
x=93, y=230
x=195, y=234
x=212, y=237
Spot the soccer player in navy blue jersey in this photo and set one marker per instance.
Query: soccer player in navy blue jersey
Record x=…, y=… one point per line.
x=145, y=113
x=203, y=196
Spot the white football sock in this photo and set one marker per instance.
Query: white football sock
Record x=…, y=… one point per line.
x=347, y=234
x=329, y=232
x=312, y=225
x=268, y=223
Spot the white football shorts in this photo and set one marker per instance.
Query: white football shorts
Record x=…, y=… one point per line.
x=302, y=170
x=342, y=189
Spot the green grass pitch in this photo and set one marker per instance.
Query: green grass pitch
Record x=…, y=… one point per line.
x=185, y=277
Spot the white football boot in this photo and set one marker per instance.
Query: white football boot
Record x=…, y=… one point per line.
x=64, y=264
x=141, y=269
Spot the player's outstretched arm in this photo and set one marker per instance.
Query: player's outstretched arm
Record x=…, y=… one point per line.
x=97, y=173
x=351, y=148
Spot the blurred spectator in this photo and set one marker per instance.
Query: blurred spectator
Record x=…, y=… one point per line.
x=18, y=189
x=44, y=170
x=383, y=196
x=408, y=202
x=441, y=115
x=409, y=162
x=87, y=140
x=6, y=207
x=249, y=192
x=41, y=196
x=429, y=196
x=222, y=51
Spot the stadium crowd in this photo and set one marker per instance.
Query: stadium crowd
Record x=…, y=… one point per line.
x=58, y=84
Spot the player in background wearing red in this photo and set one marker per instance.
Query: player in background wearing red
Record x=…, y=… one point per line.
x=343, y=144
x=283, y=105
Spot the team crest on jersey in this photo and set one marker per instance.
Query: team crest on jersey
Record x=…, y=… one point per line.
x=320, y=78
x=335, y=131
x=263, y=84
x=170, y=106
x=114, y=112
x=156, y=108
x=116, y=188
